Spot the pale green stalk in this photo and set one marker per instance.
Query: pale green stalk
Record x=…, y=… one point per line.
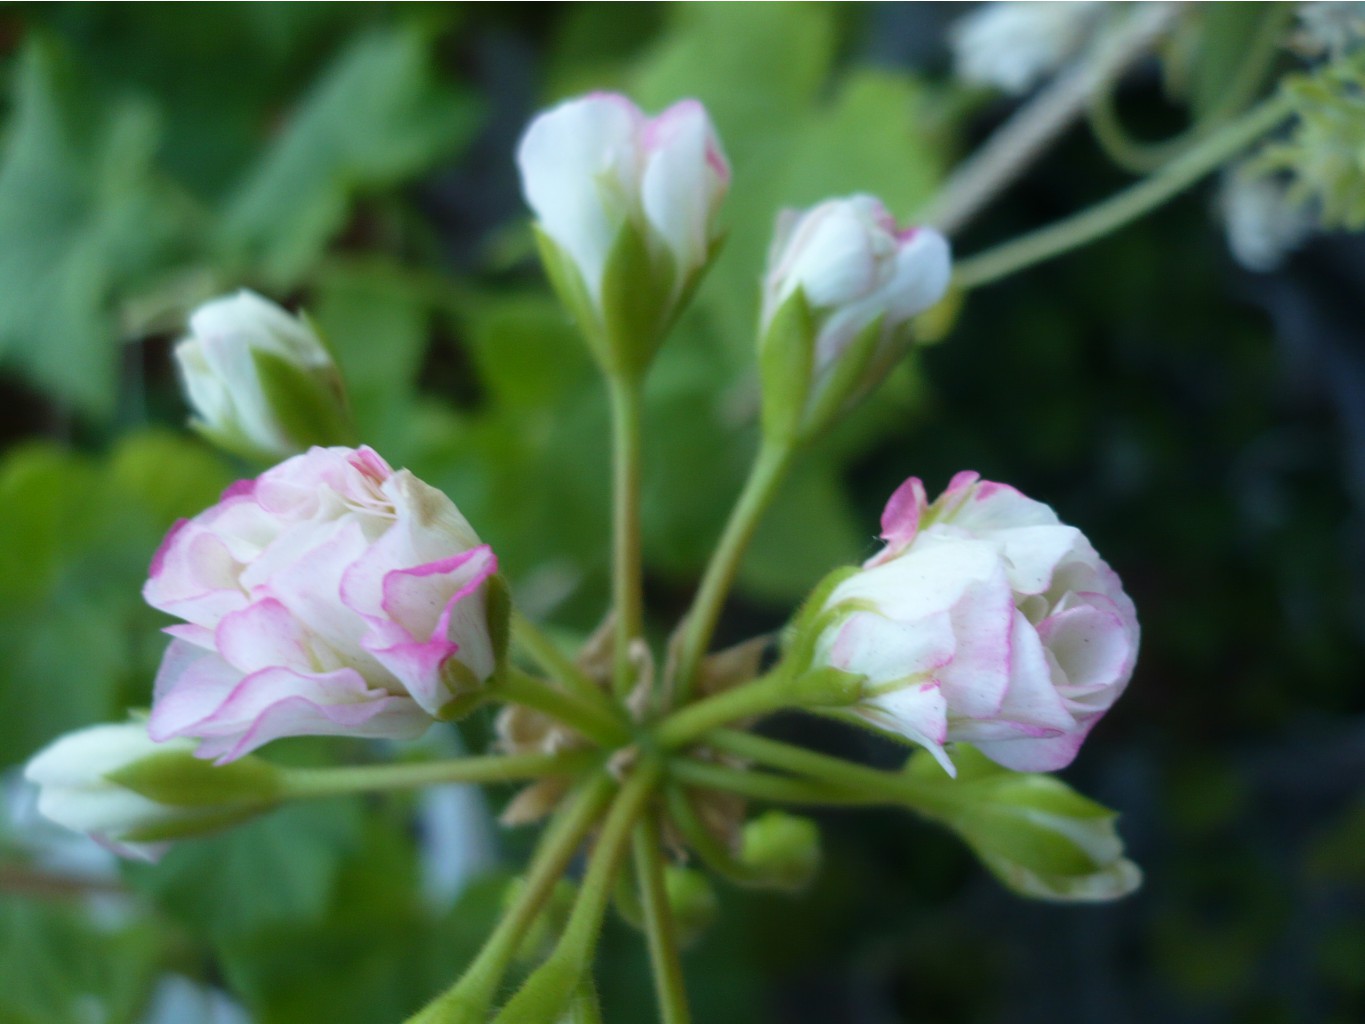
x=765, y=476
x=469, y=999
x=591, y=720
x=541, y=649
x=761, y=785
x=1130, y=204
x=548, y=991
x=669, y=987
x=304, y=783
x=627, y=573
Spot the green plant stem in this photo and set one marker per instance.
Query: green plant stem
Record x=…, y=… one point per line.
x=627, y=575
x=305, y=783
x=713, y=853
x=585, y=1007
x=1142, y=157
x=599, y=725
x=776, y=691
x=468, y=1000
x=549, y=989
x=765, y=476
x=1128, y=205
x=753, y=699
x=541, y=649
x=873, y=784
x=1013, y=148
x=763, y=786
x=662, y=936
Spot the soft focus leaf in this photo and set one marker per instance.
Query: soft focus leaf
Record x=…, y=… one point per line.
x=377, y=116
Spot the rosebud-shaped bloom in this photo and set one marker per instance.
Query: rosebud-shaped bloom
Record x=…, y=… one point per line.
x=97, y=781
x=984, y=619
x=261, y=381
x=627, y=210
x=843, y=282
x=329, y=595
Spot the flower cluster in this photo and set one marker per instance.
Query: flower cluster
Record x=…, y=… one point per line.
x=334, y=595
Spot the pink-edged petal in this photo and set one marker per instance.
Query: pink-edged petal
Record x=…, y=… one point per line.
x=976, y=680
x=1091, y=646
x=681, y=185
x=983, y=506
x=1032, y=554
x=262, y=635
x=1034, y=754
x=1032, y=699
x=901, y=519
x=425, y=628
x=279, y=702
x=917, y=712
x=190, y=686
x=886, y=651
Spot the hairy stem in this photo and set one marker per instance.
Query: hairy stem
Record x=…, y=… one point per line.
x=660, y=932
x=541, y=649
x=765, y=476
x=304, y=783
x=550, y=988
x=468, y=1000
x=599, y=725
x=627, y=573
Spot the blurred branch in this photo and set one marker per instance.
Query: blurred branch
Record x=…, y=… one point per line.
x=1024, y=137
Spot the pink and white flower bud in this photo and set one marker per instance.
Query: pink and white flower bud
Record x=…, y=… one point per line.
x=330, y=595
x=856, y=280
x=260, y=380
x=984, y=619
x=599, y=173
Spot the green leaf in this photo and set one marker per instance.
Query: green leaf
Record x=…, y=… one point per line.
x=279, y=869
x=58, y=963
x=377, y=116
x=82, y=219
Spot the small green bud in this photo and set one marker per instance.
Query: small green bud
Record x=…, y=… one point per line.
x=692, y=902
x=783, y=848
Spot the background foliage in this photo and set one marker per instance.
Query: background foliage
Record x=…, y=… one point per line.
x=1202, y=424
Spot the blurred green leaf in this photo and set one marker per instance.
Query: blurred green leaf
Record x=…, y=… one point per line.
x=378, y=115
x=82, y=220
x=279, y=869
x=59, y=966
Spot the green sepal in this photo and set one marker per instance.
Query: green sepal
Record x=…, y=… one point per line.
x=572, y=291
x=857, y=370
x=309, y=410
x=198, y=822
x=803, y=632
x=786, y=361
x=826, y=687
x=179, y=779
x=236, y=444
x=1036, y=834
x=498, y=612
x=637, y=302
